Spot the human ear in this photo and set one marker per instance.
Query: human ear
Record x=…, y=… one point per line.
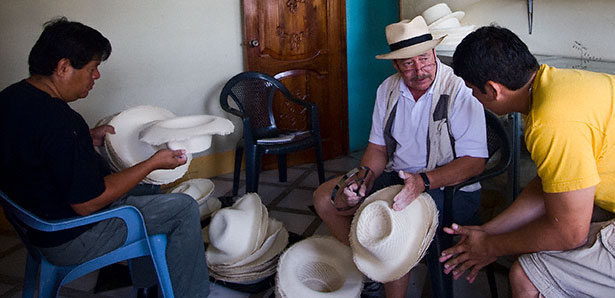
x=495, y=90
x=63, y=67
x=394, y=61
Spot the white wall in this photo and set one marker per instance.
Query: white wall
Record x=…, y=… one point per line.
x=568, y=28
x=172, y=54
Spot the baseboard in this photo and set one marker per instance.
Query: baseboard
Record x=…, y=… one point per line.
x=208, y=166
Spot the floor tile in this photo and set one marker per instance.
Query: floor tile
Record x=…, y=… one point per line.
x=272, y=176
x=342, y=164
x=296, y=223
x=312, y=179
x=14, y=263
x=297, y=199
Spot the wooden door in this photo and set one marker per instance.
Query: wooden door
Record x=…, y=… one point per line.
x=303, y=44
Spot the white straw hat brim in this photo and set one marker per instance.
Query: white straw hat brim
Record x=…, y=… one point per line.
x=193, y=133
x=126, y=150
x=318, y=267
x=385, y=243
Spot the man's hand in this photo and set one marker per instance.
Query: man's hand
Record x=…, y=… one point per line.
x=98, y=134
x=169, y=159
x=469, y=253
x=413, y=187
x=353, y=193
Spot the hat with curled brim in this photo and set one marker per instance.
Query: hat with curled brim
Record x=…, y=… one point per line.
x=318, y=266
x=409, y=38
x=386, y=243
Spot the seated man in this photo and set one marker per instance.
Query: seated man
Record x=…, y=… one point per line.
x=570, y=135
x=427, y=132
x=49, y=165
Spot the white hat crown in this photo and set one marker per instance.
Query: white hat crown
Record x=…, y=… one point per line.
x=409, y=38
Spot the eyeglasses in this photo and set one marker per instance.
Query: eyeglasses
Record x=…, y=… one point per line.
x=425, y=64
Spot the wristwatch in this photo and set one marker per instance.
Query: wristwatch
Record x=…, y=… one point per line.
x=425, y=181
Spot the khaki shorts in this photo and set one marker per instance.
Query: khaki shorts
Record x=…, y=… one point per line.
x=587, y=271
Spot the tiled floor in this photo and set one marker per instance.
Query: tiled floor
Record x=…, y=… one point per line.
x=287, y=202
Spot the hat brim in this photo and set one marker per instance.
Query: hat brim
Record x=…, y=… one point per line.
x=323, y=257
x=411, y=51
x=419, y=220
x=126, y=150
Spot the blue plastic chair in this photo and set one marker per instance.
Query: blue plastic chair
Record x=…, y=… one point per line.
x=52, y=277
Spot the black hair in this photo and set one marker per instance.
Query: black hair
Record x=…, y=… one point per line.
x=74, y=41
x=492, y=53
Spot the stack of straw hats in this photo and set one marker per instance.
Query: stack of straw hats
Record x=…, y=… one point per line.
x=385, y=243
x=244, y=243
x=318, y=267
x=200, y=190
x=141, y=131
x=442, y=21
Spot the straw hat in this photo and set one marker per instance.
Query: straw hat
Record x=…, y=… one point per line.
x=439, y=13
x=318, y=267
x=407, y=39
x=192, y=133
x=234, y=230
x=200, y=190
x=126, y=150
x=385, y=243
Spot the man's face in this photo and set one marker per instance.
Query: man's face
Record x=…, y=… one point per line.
x=418, y=72
x=80, y=81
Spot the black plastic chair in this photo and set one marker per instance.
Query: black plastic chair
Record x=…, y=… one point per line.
x=497, y=140
x=252, y=94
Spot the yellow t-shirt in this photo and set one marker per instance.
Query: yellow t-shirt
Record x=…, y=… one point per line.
x=570, y=132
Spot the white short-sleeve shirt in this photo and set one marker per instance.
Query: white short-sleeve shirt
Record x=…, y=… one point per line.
x=410, y=126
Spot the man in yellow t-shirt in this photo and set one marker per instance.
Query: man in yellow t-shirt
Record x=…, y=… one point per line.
x=562, y=223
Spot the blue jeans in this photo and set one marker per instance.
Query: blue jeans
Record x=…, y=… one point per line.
x=176, y=215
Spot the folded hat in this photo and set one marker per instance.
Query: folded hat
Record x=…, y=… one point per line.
x=318, y=267
x=234, y=231
x=125, y=148
x=385, y=243
x=439, y=12
x=192, y=133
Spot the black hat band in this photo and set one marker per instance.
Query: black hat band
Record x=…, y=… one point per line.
x=410, y=42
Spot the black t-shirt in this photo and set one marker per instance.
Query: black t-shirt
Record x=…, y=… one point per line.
x=47, y=160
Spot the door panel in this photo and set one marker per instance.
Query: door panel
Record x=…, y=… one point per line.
x=303, y=44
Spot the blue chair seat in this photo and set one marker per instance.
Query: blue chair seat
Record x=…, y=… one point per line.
x=52, y=277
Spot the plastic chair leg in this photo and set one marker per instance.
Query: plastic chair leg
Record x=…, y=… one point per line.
x=493, y=288
x=158, y=244
x=282, y=167
x=49, y=281
x=320, y=164
x=30, y=276
x=237, y=172
x=253, y=165
x=441, y=284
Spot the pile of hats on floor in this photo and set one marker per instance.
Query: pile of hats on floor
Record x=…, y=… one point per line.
x=442, y=21
x=200, y=190
x=384, y=245
x=142, y=130
x=244, y=243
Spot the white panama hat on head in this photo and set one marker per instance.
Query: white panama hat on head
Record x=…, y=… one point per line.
x=319, y=267
x=385, y=243
x=234, y=231
x=409, y=38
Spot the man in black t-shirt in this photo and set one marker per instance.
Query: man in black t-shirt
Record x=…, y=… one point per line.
x=49, y=165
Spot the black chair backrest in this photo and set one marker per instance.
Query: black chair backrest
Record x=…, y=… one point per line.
x=497, y=140
x=253, y=94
